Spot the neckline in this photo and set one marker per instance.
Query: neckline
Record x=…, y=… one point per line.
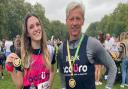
x=37, y=51
x=75, y=40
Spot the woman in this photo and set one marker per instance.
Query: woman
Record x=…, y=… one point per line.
x=37, y=66
x=124, y=57
x=16, y=47
x=98, y=67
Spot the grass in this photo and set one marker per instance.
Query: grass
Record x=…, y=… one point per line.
x=7, y=83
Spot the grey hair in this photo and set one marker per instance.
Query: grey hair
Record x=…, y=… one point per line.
x=74, y=5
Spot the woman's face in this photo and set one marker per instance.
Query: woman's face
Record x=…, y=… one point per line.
x=34, y=29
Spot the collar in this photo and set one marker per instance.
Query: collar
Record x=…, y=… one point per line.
x=36, y=51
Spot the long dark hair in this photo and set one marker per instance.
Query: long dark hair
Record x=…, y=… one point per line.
x=26, y=48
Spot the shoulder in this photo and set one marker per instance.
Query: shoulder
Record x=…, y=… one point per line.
x=94, y=45
x=93, y=41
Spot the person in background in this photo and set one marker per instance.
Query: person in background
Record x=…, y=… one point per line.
x=107, y=45
x=16, y=47
x=57, y=43
x=98, y=67
x=2, y=59
x=7, y=45
x=124, y=57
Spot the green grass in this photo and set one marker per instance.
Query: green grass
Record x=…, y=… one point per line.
x=7, y=83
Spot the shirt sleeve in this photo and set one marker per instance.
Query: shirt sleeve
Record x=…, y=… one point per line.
x=102, y=57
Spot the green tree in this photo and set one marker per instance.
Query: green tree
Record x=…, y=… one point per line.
x=115, y=23
x=12, y=13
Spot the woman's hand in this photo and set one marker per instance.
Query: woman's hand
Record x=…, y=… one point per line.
x=11, y=57
x=9, y=62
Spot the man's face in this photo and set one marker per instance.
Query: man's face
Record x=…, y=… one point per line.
x=75, y=21
x=107, y=36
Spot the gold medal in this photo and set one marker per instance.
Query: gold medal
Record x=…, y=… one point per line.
x=71, y=60
x=17, y=62
x=72, y=83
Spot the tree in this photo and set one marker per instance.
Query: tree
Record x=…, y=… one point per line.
x=12, y=13
x=114, y=23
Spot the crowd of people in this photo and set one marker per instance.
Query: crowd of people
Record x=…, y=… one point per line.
x=81, y=59
x=117, y=48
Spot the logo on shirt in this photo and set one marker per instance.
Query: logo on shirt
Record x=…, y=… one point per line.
x=39, y=77
x=72, y=57
x=43, y=75
x=76, y=69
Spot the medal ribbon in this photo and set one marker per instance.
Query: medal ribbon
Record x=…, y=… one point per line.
x=71, y=62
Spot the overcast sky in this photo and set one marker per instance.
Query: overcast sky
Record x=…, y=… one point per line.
x=94, y=9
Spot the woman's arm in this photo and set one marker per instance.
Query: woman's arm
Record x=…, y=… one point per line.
x=17, y=78
x=15, y=72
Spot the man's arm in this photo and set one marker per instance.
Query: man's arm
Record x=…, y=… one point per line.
x=98, y=55
x=103, y=57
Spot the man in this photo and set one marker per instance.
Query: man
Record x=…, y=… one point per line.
x=78, y=54
x=107, y=44
x=7, y=47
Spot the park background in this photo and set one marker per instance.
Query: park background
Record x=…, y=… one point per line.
x=12, y=13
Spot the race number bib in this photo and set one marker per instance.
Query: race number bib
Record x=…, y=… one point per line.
x=44, y=85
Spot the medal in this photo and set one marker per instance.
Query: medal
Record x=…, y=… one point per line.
x=72, y=83
x=17, y=62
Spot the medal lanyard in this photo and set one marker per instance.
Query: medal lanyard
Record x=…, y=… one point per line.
x=76, y=53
